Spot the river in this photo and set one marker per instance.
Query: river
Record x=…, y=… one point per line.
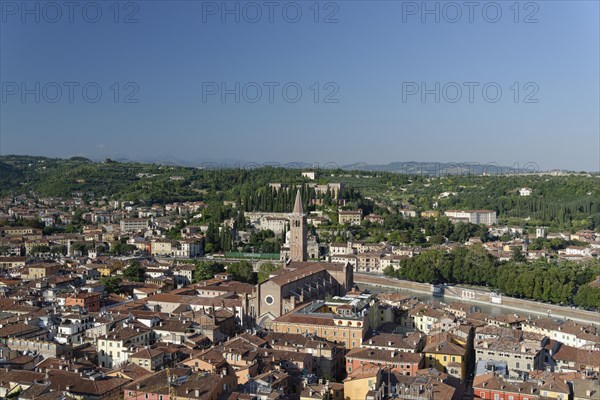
x=488, y=308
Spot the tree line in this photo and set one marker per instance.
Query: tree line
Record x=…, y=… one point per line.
x=540, y=280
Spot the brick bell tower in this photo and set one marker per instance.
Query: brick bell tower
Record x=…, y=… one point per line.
x=298, y=250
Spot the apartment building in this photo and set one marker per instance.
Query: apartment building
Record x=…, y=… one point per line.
x=350, y=217
x=520, y=355
x=116, y=347
x=331, y=321
x=129, y=225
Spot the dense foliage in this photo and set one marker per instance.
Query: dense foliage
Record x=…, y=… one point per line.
x=588, y=296
x=135, y=272
x=560, y=202
x=207, y=270
x=473, y=265
x=242, y=271
x=112, y=284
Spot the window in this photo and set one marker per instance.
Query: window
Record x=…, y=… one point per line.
x=496, y=396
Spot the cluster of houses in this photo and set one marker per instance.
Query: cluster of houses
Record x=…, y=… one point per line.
x=306, y=332
x=103, y=224
x=368, y=257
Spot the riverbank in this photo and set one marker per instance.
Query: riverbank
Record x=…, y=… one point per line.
x=496, y=303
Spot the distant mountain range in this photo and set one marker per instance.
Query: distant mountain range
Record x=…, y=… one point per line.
x=403, y=167
x=439, y=168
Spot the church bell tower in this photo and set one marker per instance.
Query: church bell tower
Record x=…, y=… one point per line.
x=298, y=251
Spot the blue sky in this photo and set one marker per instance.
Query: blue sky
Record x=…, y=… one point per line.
x=361, y=69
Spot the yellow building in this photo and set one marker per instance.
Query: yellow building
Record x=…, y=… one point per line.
x=150, y=359
x=338, y=323
x=161, y=247
x=430, y=214
x=362, y=381
x=21, y=230
x=555, y=388
x=379, y=314
x=40, y=271
x=446, y=353
x=107, y=270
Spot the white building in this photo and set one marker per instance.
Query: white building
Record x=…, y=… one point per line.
x=525, y=191
x=134, y=224
x=485, y=217
x=189, y=249
x=350, y=259
x=406, y=213
x=390, y=261
x=72, y=329
x=309, y=174
x=116, y=347
x=578, y=251
x=340, y=248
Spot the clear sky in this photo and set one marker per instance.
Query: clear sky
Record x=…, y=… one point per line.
x=380, y=81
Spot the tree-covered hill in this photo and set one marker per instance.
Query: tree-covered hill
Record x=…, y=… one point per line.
x=560, y=202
